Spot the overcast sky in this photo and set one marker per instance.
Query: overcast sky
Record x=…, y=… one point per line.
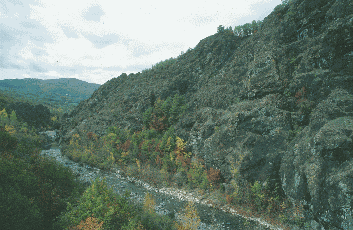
x=96, y=41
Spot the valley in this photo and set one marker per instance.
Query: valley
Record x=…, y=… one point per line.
x=250, y=129
x=168, y=200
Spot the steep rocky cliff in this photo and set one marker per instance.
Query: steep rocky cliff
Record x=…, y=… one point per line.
x=277, y=104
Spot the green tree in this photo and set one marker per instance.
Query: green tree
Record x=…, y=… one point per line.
x=7, y=143
x=13, y=118
x=168, y=140
x=247, y=29
x=259, y=24
x=111, y=209
x=254, y=26
x=238, y=31
x=41, y=115
x=147, y=116
x=165, y=113
x=220, y=29
x=177, y=109
x=24, y=127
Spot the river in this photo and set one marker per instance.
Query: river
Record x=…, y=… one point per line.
x=167, y=199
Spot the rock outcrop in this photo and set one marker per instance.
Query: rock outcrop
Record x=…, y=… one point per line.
x=279, y=102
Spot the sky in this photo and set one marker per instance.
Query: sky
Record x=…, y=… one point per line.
x=97, y=40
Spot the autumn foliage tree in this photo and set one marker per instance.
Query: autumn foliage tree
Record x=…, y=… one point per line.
x=214, y=176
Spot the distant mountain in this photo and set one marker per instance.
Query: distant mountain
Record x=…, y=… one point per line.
x=5, y=99
x=67, y=92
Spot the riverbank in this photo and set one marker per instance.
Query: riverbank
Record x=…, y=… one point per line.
x=204, y=198
x=196, y=196
x=200, y=197
x=172, y=194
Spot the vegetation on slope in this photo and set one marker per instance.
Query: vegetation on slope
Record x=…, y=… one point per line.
x=159, y=157
x=38, y=193
x=57, y=94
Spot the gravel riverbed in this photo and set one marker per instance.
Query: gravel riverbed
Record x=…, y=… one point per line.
x=167, y=199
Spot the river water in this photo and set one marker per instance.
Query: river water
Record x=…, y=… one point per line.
x=167, y=199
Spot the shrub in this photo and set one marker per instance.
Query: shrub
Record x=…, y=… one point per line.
x=7, y=143
x=90, y=223
x=197, y=175
x=190, y=218
x=168, y=141
x=33, y=191
x=159, y=123
x=134, y=224
x=122, y=135
x=149, y=204
x=214, y=176
x=108, y=207
x=258, y=196
x=147, y=116
x=153, y=221
x=111, y=139
x=229, y=199
x=168, y=164
x=125, y=146
x=165, y=176
x=241, y=195
x=164, y=113
x=92, y=136
x=182, y=157
x=18, y=211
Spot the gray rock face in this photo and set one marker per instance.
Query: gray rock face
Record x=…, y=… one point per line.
x=276, y=105
x=318, y=169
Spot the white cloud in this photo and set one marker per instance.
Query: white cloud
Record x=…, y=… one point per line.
x=96, y=40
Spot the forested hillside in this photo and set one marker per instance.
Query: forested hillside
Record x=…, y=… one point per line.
x=58, y=94
x=28, y=182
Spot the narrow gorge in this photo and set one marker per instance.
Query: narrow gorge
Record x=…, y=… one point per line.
x=266, y=117
x=168, y=200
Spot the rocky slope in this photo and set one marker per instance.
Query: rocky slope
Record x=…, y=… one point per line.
x=276, y=105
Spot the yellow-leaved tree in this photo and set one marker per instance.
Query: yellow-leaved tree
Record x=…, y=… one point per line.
x=3, y=117
x=10, y=129
x=182, y=156
x=149, y=204
x=190, y=218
